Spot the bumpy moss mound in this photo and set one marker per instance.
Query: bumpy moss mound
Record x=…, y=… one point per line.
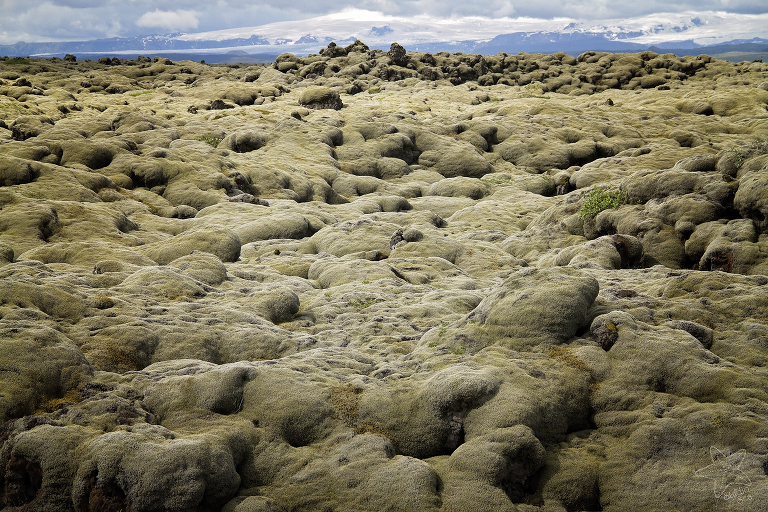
x=367, y=280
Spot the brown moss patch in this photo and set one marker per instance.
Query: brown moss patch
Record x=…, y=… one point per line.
x=346, y=400
x=70, y=397
x=372, y=428
x=119, y=360
x=564, y=355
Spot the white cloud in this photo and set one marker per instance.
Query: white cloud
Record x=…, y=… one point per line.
x=79, y=20
x=170, y=20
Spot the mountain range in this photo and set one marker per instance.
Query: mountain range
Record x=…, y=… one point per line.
x=683, y=33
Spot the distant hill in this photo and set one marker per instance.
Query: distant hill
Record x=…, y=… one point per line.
x=734, y=52
x=573, y=43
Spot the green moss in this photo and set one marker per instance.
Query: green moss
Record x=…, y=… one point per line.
x=601, y=199
x=209, y=139
x=533, y=90
x=16, y=61
x=497, y=180
x=134, y=94
x=33, y=194
x=14, y=106
x=361, y=304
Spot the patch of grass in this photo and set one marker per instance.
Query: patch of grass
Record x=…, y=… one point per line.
x=601, y=199
x=16, y=61
x=210, y=139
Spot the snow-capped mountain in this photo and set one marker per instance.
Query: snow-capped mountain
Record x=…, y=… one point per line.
x=423, y=33
x=426, y=33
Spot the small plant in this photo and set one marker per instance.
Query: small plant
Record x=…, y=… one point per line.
x=140, y=93
x=737, y=155
x=740, y=154
x=211, y=140
x=760, y=147
x=601, y=199
x=239, y=404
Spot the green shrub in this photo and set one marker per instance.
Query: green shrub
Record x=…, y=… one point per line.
x=601, y=199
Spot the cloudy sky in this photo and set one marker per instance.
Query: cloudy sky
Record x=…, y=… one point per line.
x=74, y=20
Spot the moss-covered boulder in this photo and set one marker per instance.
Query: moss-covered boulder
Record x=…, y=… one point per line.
x=318, y=97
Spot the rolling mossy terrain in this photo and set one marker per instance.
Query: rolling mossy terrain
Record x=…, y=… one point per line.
x=384, y=281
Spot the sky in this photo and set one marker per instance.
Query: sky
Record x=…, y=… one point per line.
x=79, y=20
